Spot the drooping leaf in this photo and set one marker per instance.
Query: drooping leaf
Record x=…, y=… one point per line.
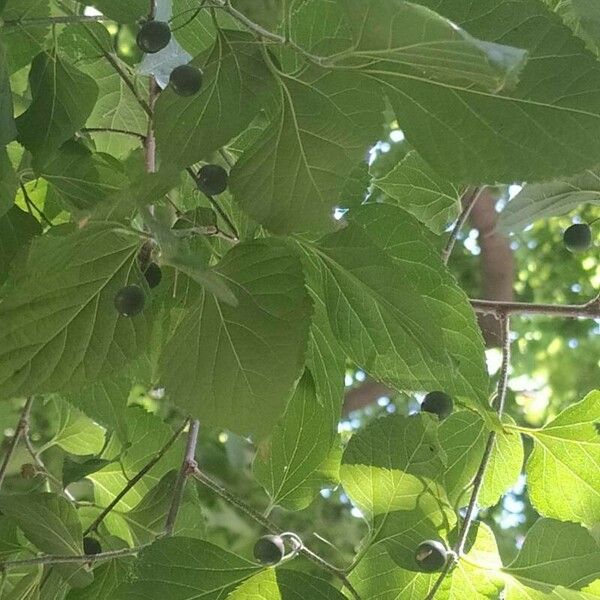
x=189, y=567
x=236, y=84
x=415, y=187
x=235, y=366
x=391, y=463
x=376, y=314
x=8, y=129
x=290, y=465
x=75, y=433
x=81, y=180
x=17, y=228
x=62, y=99
x=8, y=183
x=420, y=42
x=417, y=262
x=285, y=584
x=563, y=470
x=554, y=554
x=59, y=328
x=546, y=127
x=554, y=198
x=51, y=524
x=295, y=173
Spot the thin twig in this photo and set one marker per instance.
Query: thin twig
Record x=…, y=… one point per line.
x=487, y=453
x=140, y=136
x=216, y=206
x=48, y=559
x=135, y=479
x=188, y=466
x=31, y=204
x=469, y=203
x=589, y=310
x=268, y=525
x=22, y=427
x=37, y=21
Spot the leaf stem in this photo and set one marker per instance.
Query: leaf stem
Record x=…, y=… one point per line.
x=487, y=453
x=36, y=21
x=218, y=489
x=469, y=203
x=147, y=467
x=140, y=136
x=20, y=430
x=30, y=204
x=187, y=468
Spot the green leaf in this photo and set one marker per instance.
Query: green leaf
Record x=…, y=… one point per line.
x=417, y=261
x=8, y=183
x=78, y=469
x=420, y=42
x=388, y=465
x=463, y=437
x=541, y=200
x=415, y=187
x=124, y=12
x=235, y=366
x=377, y=576
x=295, y=173
x=285, y=584
x=106, y=403
x=27, y=588
x=563, y=471
x=146, y=521
x=80, y=179
x=556, y=553
x=22, y=41
x=8, y=129
x=376, y=314
x=51, y=524
x=147, y=436
x=75, y=433
x=17, y=229
x=59, y=328
x=9, y=542
x=117, y=108
x=548, y=126
x=62, y=99
x=236, y=84
x=188, y=567
x=289, y=465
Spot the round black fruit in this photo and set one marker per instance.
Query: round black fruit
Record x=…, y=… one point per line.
x=578, y=237
x=269, y=550
x=153, y=36
x=186, y=80
x=130, y=300
x=153, y=275
x=212, y=180
x=438, y=403
x=91, y=546
x=431, y=556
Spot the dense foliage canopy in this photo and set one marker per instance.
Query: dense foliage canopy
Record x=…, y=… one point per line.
x=220, y=218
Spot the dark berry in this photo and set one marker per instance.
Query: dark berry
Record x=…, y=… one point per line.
x=431, y=556
x=437, y=403
x=153, y=36
x=578, y=237
x=269, y=550
x=186, y=80
x=212, y=180
x=130, y=300
x=91, y=546
x=153, y=275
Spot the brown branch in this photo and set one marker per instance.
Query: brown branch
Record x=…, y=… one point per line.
x=499, y=402
x=188, y=466
x=589, y=310
x=21, y=429
x=134, y=480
